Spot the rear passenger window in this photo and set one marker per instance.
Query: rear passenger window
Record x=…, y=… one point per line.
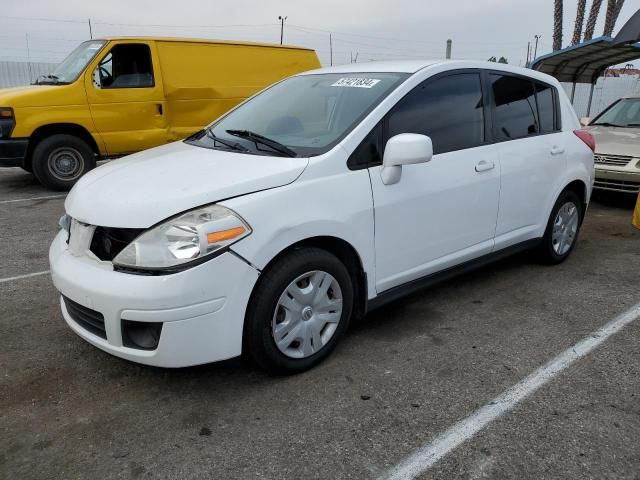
x=545, y=108
x=448, y=109
x=516, y=112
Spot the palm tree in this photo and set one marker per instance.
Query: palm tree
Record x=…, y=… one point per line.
x=591, y=21
x=557, y=24
x=577, y=30
x=613, y=10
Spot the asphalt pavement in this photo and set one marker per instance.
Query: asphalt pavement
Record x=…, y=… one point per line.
x=400, y=377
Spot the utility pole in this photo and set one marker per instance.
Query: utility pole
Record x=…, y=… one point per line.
x=535, y=51
x=90, y=30
x=282, y=19
x=330, y=50
x=448, y=54
x=26, y=36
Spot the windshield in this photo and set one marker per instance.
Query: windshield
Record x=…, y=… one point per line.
x=301, y=116
x=624, y=113
x=73, y=65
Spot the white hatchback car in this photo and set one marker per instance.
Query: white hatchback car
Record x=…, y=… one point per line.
x=318, y=199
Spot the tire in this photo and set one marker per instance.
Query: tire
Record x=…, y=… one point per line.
x=305, y=272
x=563, y=227
x=60, y=160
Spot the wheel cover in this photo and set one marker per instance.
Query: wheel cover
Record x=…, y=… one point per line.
x=307, y=314
x=65, y=163
x=565, y=228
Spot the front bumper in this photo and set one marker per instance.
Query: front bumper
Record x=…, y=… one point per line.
x=202, y=309
x=623, y=179
x=13, y=151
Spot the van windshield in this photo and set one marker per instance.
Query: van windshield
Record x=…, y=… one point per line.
x=73, y=65
x=301, y=116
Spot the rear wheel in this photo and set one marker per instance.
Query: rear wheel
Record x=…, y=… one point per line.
x=299, y=311
x=60, y=160
x=563, y=227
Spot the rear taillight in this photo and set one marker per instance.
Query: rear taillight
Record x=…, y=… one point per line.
x=587, y=138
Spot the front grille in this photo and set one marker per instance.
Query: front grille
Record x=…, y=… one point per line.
x=85, y=317
x=107, y=242
x=617, y=185
x=615, y=160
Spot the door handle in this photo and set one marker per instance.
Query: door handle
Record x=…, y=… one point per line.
x=483, y=166
x=159, y=106
x=557, y=150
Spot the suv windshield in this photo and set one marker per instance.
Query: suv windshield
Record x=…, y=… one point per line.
x=301, y=116
x=624, y=113
x=73, y=65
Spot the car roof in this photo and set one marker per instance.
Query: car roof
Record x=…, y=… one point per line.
x=413, y=66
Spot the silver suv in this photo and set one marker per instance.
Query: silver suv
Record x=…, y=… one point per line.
x=617, y=134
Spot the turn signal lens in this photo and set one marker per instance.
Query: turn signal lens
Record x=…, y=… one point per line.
x=224, y=235
x=6, y=112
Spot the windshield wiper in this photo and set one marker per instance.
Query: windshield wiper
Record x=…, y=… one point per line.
x=607, y=124
x=49, y=80
x=231, y=145
x=257, y=138
x=632, y=125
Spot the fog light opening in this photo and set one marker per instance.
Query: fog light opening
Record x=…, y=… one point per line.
x=141, y=335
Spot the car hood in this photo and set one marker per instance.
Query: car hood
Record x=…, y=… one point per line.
x=143, y=189
x=616, y=140
x=42, y=96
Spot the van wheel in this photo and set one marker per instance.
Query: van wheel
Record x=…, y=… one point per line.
x=299, y=310
x=60, y=160
x=563, y=227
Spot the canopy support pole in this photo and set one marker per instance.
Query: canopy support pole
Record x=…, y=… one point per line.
x=593, y=86
x=573, y=92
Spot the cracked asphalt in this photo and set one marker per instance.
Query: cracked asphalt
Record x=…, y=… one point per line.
x=399, y=378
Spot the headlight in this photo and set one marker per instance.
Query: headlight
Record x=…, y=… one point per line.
x=183, y=239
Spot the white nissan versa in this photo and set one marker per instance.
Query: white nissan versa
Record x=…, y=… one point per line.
x=321, y=197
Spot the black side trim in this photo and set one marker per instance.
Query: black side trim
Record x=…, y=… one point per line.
x=410, y=287
x=12, y=151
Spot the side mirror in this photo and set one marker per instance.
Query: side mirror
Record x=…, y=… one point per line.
x=584, y=121
x=404, y=149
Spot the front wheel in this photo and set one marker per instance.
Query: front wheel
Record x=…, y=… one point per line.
x=563, y=227
x=300, y=308
x=60, y=160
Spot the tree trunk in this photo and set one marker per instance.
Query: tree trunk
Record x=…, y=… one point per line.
x=608, y=25
x=593, y=18
x=557, y=25
x=577, y=30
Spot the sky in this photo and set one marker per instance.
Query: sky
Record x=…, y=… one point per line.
x=45, y=31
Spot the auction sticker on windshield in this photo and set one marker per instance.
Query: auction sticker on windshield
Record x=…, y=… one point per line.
x=356, y=82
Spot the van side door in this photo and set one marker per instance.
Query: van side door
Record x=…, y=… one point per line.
x=526, y=127
x=126, y=98
x=443, y=212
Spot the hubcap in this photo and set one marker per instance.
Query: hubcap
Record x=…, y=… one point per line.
x=307, y=314
x=66, y=163
x=565, y=228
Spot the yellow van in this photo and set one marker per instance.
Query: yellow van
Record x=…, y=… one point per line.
x=115, y=96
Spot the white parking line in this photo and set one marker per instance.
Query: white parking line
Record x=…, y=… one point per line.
x=426, y=456
x=20, y=277
x=48, y=197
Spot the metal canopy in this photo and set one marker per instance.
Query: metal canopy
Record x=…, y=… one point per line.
x=585, y=62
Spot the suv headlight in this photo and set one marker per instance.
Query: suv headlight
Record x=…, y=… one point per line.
x=187, y=238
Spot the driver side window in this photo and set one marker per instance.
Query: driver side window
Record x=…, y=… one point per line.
x=125, y=66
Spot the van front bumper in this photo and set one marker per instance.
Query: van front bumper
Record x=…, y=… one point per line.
x=13, y=151
x=201, y=309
